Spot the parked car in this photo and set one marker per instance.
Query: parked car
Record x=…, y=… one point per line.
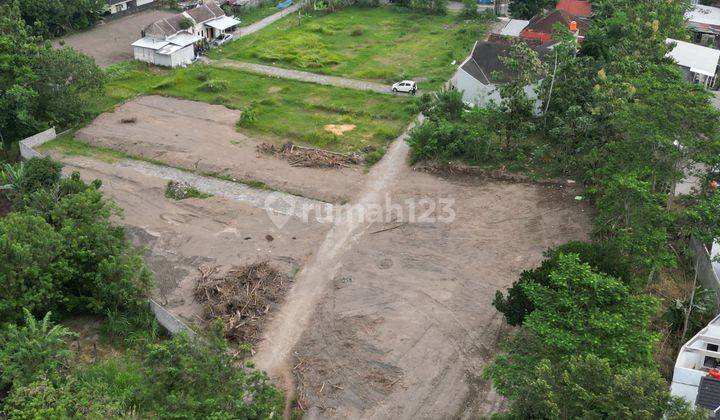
x=407, y=86
x=223, y=38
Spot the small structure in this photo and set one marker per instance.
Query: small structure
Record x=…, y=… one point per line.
x=540, y=27
x=704, y=22
x=699, y=63
x=479, y=76
x=118, y=6
x=513, y=27
x=694, y=377
x=174, y=41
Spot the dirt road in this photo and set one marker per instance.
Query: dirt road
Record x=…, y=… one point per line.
x=202, y=137
x=398, y=323
x=109, y=43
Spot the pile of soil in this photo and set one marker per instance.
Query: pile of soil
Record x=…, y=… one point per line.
x=310, y=157
x=241, y=297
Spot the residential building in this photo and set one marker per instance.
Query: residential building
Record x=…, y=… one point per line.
x=704, y=22
x=540, y=28
x=696, y=377
x=699, y=64
x=118, y=6
x=480, y=75
x=173, y=41
x=578, y=9
x=513, y=27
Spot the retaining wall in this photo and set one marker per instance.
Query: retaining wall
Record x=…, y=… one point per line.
x=28, y=145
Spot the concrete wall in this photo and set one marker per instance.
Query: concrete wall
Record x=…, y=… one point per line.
x=28, y=145
x=183, y=56
x=706, y=274
x=168, y=320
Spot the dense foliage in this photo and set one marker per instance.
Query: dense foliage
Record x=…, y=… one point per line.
x=61, y=252
x=39, y=86
x=176, y=378
x=56, y=17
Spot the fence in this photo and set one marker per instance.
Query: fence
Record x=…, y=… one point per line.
x=27, y=150
x=705, y=273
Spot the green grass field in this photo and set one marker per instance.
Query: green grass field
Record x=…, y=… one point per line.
x=285, y=109
x=251, y=15
x=381, y=44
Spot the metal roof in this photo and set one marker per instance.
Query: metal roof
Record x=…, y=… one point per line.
x=708, y=395
x=150, y=43
x=184, y=39
x=514, y=27
x=223, y=23
x=698, y=59
x=169, y=49
x=707, y=15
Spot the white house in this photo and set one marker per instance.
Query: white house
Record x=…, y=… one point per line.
x=694, y=376
x=700, y=64
x=704, y=21
x=171, y=42
x=116, y=6
x=480, y=75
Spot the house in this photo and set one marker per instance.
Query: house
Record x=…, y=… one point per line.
x=480, y=75
x=172, y=41
x=540, y=27
x=117, y=6
x=513, y=27
x=700, y=64
x=578, y=9
x=704, y=22
x=695, y=375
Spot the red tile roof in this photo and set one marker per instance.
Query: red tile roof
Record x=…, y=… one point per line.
x=575, y=7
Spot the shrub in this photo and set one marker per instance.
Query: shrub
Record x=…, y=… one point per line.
x=32, y=351
x=181, y=191
x=39, y=173
x=214, y=85
x=248, y=116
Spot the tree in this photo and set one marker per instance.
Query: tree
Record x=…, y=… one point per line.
x=527, y=9
x=55, y=17
x=579, y=312
x=588, y=387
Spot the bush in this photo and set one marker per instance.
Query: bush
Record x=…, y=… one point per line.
x=248, y=116
x=214, y=85
x=32, y=351
x=38, y=173
x=602, y=257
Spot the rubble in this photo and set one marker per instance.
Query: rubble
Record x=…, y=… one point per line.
x=310, y=157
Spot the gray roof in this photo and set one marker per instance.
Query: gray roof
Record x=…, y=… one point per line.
x=164, y=27
x=484, y=62
x=708, y=395
x=205, y=12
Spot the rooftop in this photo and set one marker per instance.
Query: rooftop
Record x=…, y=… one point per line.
x=514, y=27
x=545, y=23
x=484, y=63
x=706, y=15
x=578, y=8
x=698, y=59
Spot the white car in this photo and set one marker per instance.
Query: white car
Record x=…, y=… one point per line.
x=223, y=39
x=407, y=86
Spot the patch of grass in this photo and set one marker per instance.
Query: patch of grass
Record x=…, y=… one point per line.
x=250, y=15
x=70, y=146
x=287, y=109
x=178, y=191
x=382, y=44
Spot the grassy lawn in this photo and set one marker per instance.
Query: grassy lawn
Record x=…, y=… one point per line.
x=381, y=44
x=283, y=109
x=250, y=15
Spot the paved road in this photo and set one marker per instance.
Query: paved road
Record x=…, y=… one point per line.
x=267, y=21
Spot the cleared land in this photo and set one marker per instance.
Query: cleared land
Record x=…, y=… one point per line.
x=109, y=43
x=380, y=44
x=283, y=109
x=180, y=236
x=407, y=325
x=202, y=138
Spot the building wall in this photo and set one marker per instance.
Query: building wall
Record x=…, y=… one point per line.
x=183, y=56
x=144, y=54
x=144, y=2
x=163, y=60
x=474, y=91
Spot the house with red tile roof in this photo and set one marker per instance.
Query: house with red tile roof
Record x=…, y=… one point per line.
x=540, y=27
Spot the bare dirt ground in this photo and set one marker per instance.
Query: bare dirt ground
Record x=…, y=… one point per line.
x=181, y=235
x=109, y=43
x=202, y=137
x=407, y=326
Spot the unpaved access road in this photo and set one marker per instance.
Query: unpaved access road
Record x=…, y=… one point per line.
x=179, y=236
x=201, y=137
x=109, y=43
x=398, y=323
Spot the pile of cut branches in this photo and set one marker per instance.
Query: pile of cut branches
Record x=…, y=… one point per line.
x=310, y=157
x=241, y=297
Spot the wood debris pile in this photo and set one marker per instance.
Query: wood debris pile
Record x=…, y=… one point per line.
x=310, y=157
x=240, y=297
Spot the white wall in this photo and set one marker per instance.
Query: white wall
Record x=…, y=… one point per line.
x=183, y=56
x=142, y=2
x=144, y=54
x=163, y=60
x=474, y=91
